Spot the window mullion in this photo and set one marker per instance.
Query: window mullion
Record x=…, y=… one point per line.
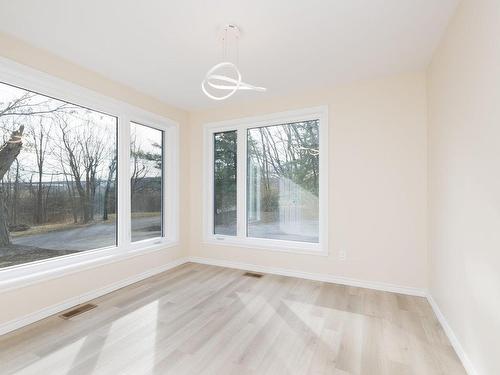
x=165, y=203
x=124, y=207
x=169, y=185
x=241, y=183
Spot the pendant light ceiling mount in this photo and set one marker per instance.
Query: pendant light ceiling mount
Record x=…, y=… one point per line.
x=218, y=82
x=231, y=30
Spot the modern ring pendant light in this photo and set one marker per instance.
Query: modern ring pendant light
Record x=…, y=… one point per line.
x=221, y=82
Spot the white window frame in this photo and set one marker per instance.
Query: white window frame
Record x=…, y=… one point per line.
x=29, y=273
x=241, y=126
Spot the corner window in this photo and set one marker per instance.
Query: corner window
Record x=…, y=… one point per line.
x=58, y=177
x=82, y=177
x=268, y=180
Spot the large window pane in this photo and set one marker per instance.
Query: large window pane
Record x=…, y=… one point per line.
x=225, y=183
x=146, y=164
x=57, y=177
x=283, y=182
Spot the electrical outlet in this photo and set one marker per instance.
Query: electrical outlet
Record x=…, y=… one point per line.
x=342, y=255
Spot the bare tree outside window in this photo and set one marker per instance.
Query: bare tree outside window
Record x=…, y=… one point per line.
x=57, y=177
x=283, y=182
x=146, y=182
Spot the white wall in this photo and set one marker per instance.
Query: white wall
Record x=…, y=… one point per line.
x=464, y=180
x=378, y=181
x=30, y=299
x=377, y=187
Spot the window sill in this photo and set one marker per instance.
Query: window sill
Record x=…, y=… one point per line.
x=32, y=273
x=282, y=246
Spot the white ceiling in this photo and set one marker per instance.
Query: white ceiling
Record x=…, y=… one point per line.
x=164, y=47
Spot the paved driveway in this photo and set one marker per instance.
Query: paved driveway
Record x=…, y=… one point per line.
x=90, y=237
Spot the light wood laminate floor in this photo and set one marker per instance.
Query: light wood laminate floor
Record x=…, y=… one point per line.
x=198, y=319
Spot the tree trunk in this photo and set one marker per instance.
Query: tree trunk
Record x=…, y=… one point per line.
x=71, y=194
x=8, y=153
x=45, y=200
x=10, y=150
x=38, y=219
x=4, y=222
x=15, y=196
x=112, y=168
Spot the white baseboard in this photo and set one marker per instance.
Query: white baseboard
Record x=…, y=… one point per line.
x=464, y=358
x=73, y=301
x=351, y=282
x=313, y=276
x=51, y=310
x=54, y=309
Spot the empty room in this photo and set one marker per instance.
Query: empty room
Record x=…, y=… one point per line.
x=250, y=187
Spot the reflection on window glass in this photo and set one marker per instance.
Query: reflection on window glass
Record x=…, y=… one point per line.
x=57, y=177
x=283, y=182
x=146, y=168
x=225, y=183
